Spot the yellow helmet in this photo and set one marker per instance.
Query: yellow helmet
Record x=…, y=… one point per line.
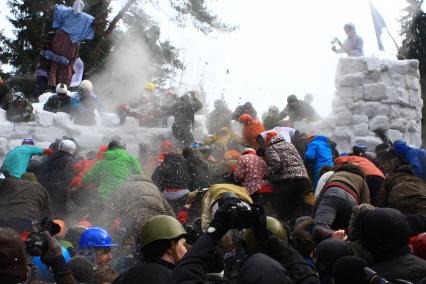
x=149, y=86
x=274, y=226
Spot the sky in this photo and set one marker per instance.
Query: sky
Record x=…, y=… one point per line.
x=281, y=47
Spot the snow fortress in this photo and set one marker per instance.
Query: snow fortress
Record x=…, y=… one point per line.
x=49, y=126
x=370, y=93
x=374, y=93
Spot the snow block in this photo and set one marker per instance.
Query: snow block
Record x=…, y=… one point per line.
x=375, y=92
x=44, y=118
x=379, y=122
x=399, y=124
x=394, y=134
x=361, y=129
x=344, y=118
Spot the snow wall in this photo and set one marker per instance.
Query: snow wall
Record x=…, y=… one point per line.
x=370, y=93
x=373, y=93
x=49, y=126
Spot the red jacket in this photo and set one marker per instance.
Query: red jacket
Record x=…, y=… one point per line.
x=80, y=169
x=365, y=164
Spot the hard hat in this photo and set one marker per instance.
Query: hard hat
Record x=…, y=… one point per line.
x=161, y=227
x=86, y=85
x=149, y=86
x=419, y=247
x=68, y=146
x=95, y=237
x=61, y=88
x=292, y=98
x=245, y=118
x=274, y=226
x=28, y=141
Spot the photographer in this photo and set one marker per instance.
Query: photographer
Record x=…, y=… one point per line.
x=14, y=267
x=280, y=263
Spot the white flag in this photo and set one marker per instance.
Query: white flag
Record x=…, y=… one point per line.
x=379, y=24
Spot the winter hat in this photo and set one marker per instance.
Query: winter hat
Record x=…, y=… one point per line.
x=269, y=136
x=82, y=269
x=419, y=247
x=384, y=232
x=28, y=141
x=13, y=261
x=245, y=118
x=231, y=155
x=249, y=151
x=86, y=85
x=61, y=88
x=350, y=270
x=327, y=252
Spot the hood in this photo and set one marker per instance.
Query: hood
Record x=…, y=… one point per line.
x=351, y=26
x=115, y=154
x=141, y=177
x=321, y=138
x=384, y=232
x=400, y=147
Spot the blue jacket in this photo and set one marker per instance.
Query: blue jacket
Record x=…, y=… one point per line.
x=319, y=153
x=77, y=25
x=17, y=160
x=416, y=158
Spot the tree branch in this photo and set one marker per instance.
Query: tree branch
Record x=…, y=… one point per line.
x=118, y=17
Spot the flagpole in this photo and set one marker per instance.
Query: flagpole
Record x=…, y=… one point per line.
x=394, y=41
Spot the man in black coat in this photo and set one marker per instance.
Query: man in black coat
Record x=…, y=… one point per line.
x=56, y=175
x=163, y=242
x=183, y=111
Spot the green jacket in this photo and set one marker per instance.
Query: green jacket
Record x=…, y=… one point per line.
x=112, y=171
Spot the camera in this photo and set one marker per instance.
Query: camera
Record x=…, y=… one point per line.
x=37, y=242
x=239, y=211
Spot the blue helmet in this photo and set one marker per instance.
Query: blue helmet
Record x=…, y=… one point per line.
x=43, y=272
x=95, y=237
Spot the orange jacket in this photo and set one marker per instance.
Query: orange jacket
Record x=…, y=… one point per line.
x=365, y=164
x=251, y=131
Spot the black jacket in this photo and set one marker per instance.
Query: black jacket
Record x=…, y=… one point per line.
x=150, y=271
x=56, y=175
x=58, y=104
x=172, y=173
x=193, y=266
x=404, y=267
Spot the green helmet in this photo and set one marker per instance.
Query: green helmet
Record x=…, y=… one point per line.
x=273, y=225
x=161, y=227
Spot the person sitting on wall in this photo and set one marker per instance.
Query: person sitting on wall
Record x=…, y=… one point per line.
x=59, y=102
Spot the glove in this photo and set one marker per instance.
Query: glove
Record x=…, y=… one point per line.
x=260, y=231
x=48, y=151
x=182, y=216
x=54, y=251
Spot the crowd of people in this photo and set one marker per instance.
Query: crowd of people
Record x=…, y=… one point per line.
x=268, y=205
